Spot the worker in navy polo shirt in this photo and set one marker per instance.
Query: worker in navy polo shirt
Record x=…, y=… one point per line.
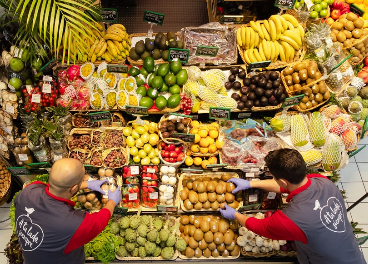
x=48, y=228
x=315, y=217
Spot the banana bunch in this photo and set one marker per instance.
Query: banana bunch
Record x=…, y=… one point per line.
x=275, y=39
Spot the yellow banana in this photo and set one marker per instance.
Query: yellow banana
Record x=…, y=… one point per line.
x=103, y=49
x=257, y=40
x=93, y=48
x=284, y=23
x=266, y=49
x=112, y=49
x=112, y=37
x=260, y=32
x=116, y=31
x=282, y=52
x=98, y=26
x=247, y=38
x=256, y=54
x=294, y=36
x=119, y=45
x=243, y=31
x=119, y=26
x=108, y=57
x=123, y=55
x=267, y=25
x=252, y=37
x=251, y=56
x=272, y=57
x=277, y=21
x=289, y=51
x=291, y=19
x=290, y=41
x=261, y=52
x=301, y=31
x=127, y=53
x=254, y=26
x=277, y=49
x=273, y=30
x=247, y=60
x=290, y=26
x=238, y=37
x=96, y=33
x=93, y=58
x=99, y=46
x=265, y=33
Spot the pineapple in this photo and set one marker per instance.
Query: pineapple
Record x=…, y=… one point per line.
x=331, y=154
x=311, y=157
x=227, y=102
x=212, y=80
x=299, y=131
x=317, y=129
x=208, y=95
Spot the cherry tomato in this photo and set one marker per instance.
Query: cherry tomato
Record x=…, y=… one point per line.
x=33, y=108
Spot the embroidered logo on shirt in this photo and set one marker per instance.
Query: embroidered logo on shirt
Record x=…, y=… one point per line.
x=331, y=215
x=30, y=235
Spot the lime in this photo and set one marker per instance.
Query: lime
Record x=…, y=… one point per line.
x=175, y=89
x=141, y=90
x=170, y=79
x=146, y=102
x=297, y=5
x=36, y=63
x=139, y=80
x=133, y=71
x=144, y=72
x=181, y=77
x=163, y=69
x=161, y=102
x=323, y=13
x=15, y=82
x=324, y=5
x=157, y=82
x=173, y=101
x=318, y=7
x=16, y=64
x=164, y=88
x=175, y=66
x=149, y=64
x=152, y=93
x=313, y=14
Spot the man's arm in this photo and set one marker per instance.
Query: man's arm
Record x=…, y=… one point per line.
x=267, y=185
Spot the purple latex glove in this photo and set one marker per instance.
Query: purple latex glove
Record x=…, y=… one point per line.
x=96, y=185
x=240, y=184
x=228, y=213
x=115, y=195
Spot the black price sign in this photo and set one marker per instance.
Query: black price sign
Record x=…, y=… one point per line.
x=185, y=137
x=189, y=170
x=39, y=165
x=290, y=101
x=195, y=117
x=285, y=3
x=120, y=210
x=232, y=18
x=220, y=113
x=117, y=68
x=48, y=67
x=207, y=51
x=99, y=116
x=260, y=64
x=244, y=115
x=109, y=15
x=153, y=17
x=217, y=166
x=167, y=208
x=89, y=168
x=18, y=170
x=176, y=114
x=181, y=54
x=356, y=10
x=137, y=110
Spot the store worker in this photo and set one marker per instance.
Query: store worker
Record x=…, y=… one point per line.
x=48, y=228
x=315, y=217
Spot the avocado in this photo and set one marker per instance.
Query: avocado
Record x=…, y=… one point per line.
x=145, y=55
x=156, y=54
x=139, y=48
x=171, y=35
x=172, y=43
x=157, y=38
x=133, y=54
x=165, y=55
x=180, y=44
x=162, y=45
x=149, y=44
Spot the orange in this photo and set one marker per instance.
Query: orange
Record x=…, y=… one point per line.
x=219, y=143
x=215, y=124
x=194, y=148
x=211, y=140
x=213, y=134
x=205, y=163
x=203, y=133
x=197, y=161
x=204, y=142
x=189, y=161
x=203, y=150
x=212, y=160
x=194, y=123
x=197, y=138
x=212, y=149
x=194, y=131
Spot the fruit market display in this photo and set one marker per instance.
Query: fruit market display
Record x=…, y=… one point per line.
x=170, y=128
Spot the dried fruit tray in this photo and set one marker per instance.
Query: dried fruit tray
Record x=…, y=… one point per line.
x=209, y=174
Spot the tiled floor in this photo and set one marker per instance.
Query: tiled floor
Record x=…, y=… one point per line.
x=354, y=180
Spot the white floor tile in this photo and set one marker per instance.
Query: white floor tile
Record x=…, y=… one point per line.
x=353, y=191
x=360, y=214
x=350, y=173
x=4, y=215
x=363, y=169
x=5, y=235
x=364, y=141
x=3, y=258
x=365, y=252
x=362, y=156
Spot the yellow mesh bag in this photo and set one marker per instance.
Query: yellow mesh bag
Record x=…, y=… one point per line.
x=331, y=153
x=317, y=130
x=194, y=73
x=212, y=80
x=208, y=95
x=299, y=131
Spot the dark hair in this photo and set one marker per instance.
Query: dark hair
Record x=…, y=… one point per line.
x=286, y=164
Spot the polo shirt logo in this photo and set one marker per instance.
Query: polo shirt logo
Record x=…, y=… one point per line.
x=30, y=235
x=331, y=215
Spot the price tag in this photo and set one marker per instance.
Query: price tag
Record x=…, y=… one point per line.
x=99, y=116
x=47, y=78
x=195, y=117
x=153, y=195
x=231, y=19
x=253, y=198
x=46, y=88
x=136, y=110
x=356, y=10
x=185, y=137
x=290, y=101
x=153, y=17
x=285, y=3
x=48, y=66
x=9, y=109
x=151, y=170
x=181, y=54
x=57, y=157
x=109, y=15
x=167, y=208
x=117, y=68
x=219, y=113
x=120, y=210
x=36, y=98
x=244, y=115
x=18, y=170
x=89, y=167
x=260, y=64
x=168, y=195
x=134, y=170
x=39, y=165
x=23, y=157
x=250, y=174
x=207, y=51
x=133, y=196
x=271, y=195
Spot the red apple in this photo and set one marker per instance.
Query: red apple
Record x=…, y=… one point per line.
x=167, y=154
x=167, y=159
x=170, y=147
x=335, y=14
x=345, y=6
x=181, y=156
x=163, y=145
x=366, y=61
x=337, y=4
x=177, y=150
x=173, y=154
x=172, y=160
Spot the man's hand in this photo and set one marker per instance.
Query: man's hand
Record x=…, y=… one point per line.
x=240, y=184
x=115, y=195
x=228, y=212
x=96, y=185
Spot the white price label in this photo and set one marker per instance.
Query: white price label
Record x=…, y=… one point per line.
x=271, y=195
x=23, y=157
x=253, y=198
x=151, y=170
x=153, y=195
x=47, y=78
x=36, y=98
x=133, y=196
x=134, y=170
x=250, y=174
x=168, y=195
x=9, y=109
x=46, y=88
x=57, y=157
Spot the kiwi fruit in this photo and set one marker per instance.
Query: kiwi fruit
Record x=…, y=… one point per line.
x=207, y=253
x=225, y=253
x=211, y=187
x=220, y=188
x=351, y=16
x=215, y=205
x=223, y=225
x=202, y=244
x=184, y=195
x=218, y=238
x=211, y=197
x=220, y=198
x=206, y=205
x=202, y=197
x=221, y=247
x=198, y=235
x=214, y=226
x=341, y=37
x=198, y=252
x=357, y=33
x=229, y=237
x=198, y=206
x=348, y=34
x=230, y=187
x=234, y=204
x=188, y=205
x=337, y=25
x=189, y=252
x=231, y=246
x=184, y=220
x=349, y=26
x=193, y=197
x=229, y=197
x=192, y=218
x=208, y=237
x=204, y=226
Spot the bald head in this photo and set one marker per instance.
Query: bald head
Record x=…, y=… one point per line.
x=66, y=173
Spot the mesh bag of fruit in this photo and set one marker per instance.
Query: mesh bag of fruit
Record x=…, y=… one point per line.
x=121, y=99
x=281, y=123
x=350, y=139
x=299, y=131
x=214, y=79
x=317, y=129
x=331, y=153
x=111, y=79
x=231, y=152
x=111, y=99
x=101, y=69
x=97, y=101
x=86, y=70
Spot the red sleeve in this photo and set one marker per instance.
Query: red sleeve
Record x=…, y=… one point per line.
x=277, y=227
x=90, y=227
x=282, y=190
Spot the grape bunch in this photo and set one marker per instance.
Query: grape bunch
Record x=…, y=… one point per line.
x=186, y=104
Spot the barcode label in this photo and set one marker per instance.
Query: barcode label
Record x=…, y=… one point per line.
x=271, y=195
x=253, y=198
x=133, y=196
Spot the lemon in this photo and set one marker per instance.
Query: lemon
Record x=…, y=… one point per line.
x=197, y=161
x=145, y=137
x=127, y=131
x=136, y=159
x=134, y=151
x=147, y=148
x=189, y=161
x=130, y=141
x=142, y=153
x=153, y=140
x=155, y=160
x=152, y=154
x=135, y=134
x=145, y=161
x=139, y=143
